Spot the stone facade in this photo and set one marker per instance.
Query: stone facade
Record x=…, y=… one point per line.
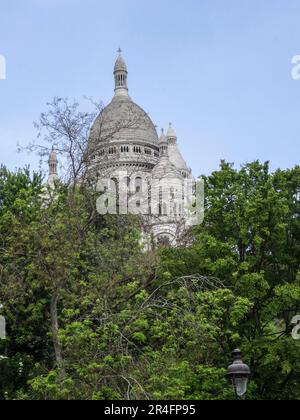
x=124, y=147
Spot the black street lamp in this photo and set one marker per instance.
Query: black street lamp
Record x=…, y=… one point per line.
x=238, y=373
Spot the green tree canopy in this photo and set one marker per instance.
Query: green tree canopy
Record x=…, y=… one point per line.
x=91, y=315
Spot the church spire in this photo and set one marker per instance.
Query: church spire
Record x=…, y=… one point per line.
x=171, y=135
x=163, y=144
x=53, y=164
x=120, y=73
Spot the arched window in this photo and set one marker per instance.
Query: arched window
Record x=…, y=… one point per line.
x=120, y=80
x=138, y=184
x=112, y=150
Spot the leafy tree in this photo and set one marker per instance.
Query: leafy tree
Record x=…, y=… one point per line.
x=20, y=202
x=250, y=239
x=93, y=316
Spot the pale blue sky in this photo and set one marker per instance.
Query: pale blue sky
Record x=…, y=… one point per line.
x=219, y=70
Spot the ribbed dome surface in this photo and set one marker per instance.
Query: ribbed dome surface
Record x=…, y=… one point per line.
x=124, y=121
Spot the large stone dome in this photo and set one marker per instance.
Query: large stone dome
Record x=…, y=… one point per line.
x=123, y=135
x=124, y=121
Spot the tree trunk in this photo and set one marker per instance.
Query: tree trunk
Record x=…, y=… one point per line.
x=54, y=328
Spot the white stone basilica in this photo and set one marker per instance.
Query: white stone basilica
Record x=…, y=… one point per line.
x=124, y=146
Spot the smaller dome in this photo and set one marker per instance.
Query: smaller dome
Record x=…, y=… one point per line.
x=120, y=63
x=174, y=154
x=171, y=133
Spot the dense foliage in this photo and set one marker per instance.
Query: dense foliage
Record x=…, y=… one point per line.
x=90, y=315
